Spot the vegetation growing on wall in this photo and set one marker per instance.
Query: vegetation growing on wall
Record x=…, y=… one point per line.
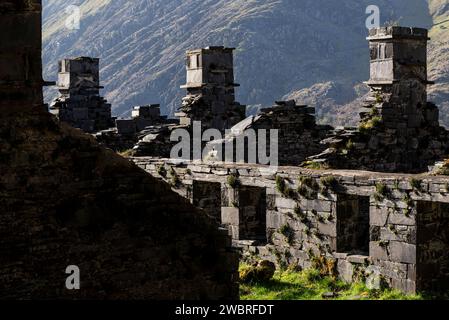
x=233, y=181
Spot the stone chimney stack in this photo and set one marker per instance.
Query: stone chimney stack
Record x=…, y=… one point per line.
x=80, y=103
x=400, y=131
x=398, y=77
x=79, y=76
x=398, y=54
x=211, y=89
x=20, y=55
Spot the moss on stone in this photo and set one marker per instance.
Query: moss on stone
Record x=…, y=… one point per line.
x=416, y=184
x=329, y=183
x=288, y=233
x=233, y=181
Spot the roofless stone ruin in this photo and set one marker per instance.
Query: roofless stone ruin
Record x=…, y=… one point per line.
x=65, y=200
x=359, y=203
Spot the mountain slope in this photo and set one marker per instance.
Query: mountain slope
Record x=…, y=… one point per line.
x=439, y=57
x=283, y=46
x=342, y=107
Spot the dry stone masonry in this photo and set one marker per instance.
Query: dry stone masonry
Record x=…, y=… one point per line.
x=211, y=90
x=385, y=229
x=295, y=124
x=21, y=74
x=80, y=103
x=400, y=131
x=66, y=200
x=210, y=100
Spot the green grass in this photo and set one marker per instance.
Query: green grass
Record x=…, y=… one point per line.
x=308, y=285
x=370, y=124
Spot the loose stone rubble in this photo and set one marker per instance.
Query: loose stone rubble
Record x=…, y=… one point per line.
x=295, y=124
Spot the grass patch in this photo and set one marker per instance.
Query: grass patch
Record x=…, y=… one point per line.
x=301, y=214
x=306, y=193
x=312, y=165
x=349, y=145
x=408, y=200
x=127, y=153
x=175, y=181
x=379, y=98
x=382, y=190
x=309, y=182
x=310, y=285
x=373, y=123
x=288, y=233
x=162, y=171
x=444, y=170
x=308, y=188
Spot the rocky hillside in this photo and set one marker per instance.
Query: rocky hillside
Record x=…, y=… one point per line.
x=338, y=102
x=314, y=50
x=439, y=57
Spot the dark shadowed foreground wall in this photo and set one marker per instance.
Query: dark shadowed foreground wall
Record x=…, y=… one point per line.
x=64, y=200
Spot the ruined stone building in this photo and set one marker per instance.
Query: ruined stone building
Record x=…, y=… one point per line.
x=65, y=200
x=80, y=103
x=295, y=124
x=211, y=89
x=381, y=226
x=68, y=200
x=400, y=131
x=141, y=118
x=210, y=101
x=390, y=230
x=127, y=132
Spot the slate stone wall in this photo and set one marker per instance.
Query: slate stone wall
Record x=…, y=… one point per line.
x=399, y=129
x=360, y=225
x=65, y=200
x=297, y=135
x=79, y=103
x=432, y=242
x=20, y=57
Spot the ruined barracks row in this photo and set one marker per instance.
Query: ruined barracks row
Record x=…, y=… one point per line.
x=398, y=132
x=319, y=209
x=387, y=229
x=359, y=203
